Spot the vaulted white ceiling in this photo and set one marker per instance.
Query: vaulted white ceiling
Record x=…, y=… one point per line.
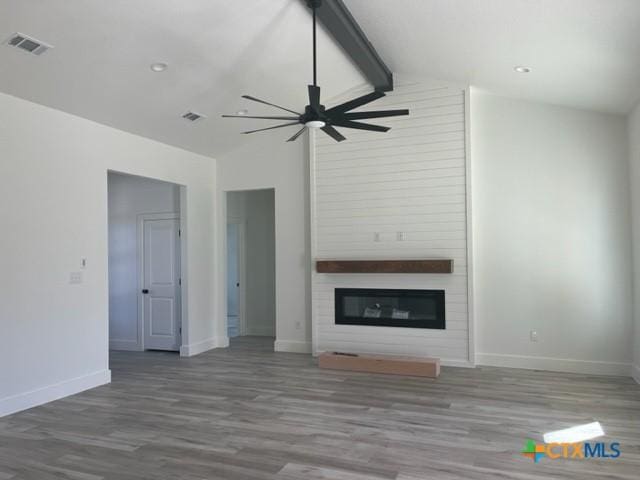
x=216, y=50
x=583, y=53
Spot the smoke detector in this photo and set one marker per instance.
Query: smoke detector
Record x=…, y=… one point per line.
x=27, y=43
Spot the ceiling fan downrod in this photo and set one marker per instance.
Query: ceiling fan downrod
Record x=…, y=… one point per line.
x=314, y=5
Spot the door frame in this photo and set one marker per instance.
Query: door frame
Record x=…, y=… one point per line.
x=242, y=262
x=141, y=218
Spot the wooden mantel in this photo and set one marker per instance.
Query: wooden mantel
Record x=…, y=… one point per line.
x=384, y=266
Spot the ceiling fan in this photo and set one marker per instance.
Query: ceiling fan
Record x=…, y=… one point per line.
x=317, y=116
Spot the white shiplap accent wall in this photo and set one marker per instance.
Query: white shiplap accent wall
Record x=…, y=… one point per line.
x=411, y=179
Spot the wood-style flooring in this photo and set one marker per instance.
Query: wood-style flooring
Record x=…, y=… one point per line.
x=248, y=413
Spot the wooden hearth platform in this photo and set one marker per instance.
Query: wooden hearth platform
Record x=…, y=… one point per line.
x=410, y=366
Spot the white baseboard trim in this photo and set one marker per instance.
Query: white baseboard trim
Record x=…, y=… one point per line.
x=635, y=372
x=199, y=347
x=568, y=365
x=292, y=346
x=24, y=401
x=128, y=345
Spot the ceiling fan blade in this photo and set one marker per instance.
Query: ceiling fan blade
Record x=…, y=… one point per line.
x=314, y=96
x=261, y=118
x=356, y=102
x=271, y=128
x=333, y=133
x=249, y=97
x=359, y=125
x=297, y=134
x=375, y=114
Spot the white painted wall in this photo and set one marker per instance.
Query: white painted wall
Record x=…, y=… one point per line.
x=255, y=208
x=265, y=160
x=634, y=157
x=411, y=179
x=551, y=236
x=128, y=197
x=53, y=169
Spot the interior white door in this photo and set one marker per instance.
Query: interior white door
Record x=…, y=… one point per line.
x=233, y=280
x=161, y=284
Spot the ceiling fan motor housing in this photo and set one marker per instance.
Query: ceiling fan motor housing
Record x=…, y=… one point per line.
x=311, y=113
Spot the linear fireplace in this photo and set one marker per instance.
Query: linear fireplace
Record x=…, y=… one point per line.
x=390, y=308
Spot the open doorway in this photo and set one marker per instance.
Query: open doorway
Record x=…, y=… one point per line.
x=145, y=293
x=251, y=265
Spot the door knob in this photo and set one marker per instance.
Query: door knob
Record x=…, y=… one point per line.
x=145, y=290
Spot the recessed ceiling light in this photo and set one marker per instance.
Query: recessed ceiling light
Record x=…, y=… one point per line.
x=159, y=67
x=522, y=69
x=244, y=111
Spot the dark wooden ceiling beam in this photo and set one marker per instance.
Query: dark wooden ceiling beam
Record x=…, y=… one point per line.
x=339, y=22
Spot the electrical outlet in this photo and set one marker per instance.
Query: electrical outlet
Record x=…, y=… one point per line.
x=75, y=278
x=376, y=236
x=533, y=335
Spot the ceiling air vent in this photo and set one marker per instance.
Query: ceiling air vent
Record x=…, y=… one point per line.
x=27, y=43
x=192, y=116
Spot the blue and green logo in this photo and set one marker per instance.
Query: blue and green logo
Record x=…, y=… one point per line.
x=580, y=450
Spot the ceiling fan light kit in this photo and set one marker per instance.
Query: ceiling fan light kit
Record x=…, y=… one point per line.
x=316, y=116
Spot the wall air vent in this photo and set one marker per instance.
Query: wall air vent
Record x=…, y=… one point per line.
x=192, y=116
x=27, y=43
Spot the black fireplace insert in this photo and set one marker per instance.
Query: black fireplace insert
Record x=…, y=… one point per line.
x=390, y=308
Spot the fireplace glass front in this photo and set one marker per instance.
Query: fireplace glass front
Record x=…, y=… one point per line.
x=390, y=308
